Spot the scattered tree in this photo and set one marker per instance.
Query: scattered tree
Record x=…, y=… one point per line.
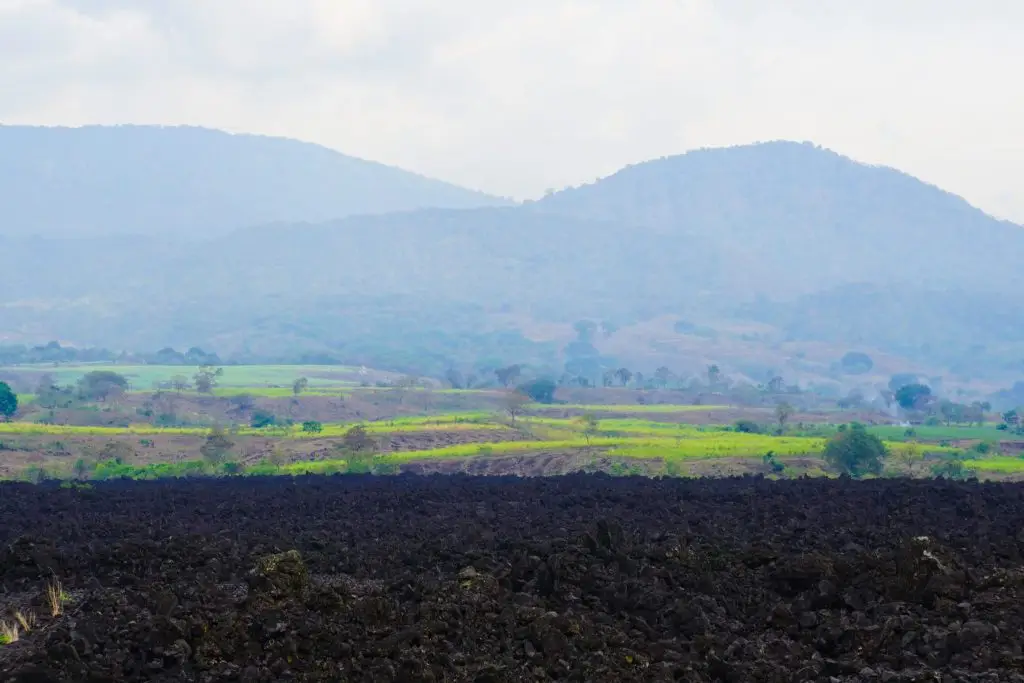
x=623, y=375
x=99, y=385
x=775, y=385
x=662, y=376
x=180, y=383
x=81, y=469
x=506, y=376
x=540, y=390
x=261, y=419
x=909, y=454
x=455, y=379
x=747, y=427
x=206, y=378
x=913, y=396
x=853, y=451
x=356, y=439
x=783, y=411
x=217, y=446
x=515, y=403
x=300, y=385
x=588, y=426
x=8, y=401
x=714, y=375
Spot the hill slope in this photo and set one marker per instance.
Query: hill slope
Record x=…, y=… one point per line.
x=765, y=245
x=191, y=182
x=798, y=218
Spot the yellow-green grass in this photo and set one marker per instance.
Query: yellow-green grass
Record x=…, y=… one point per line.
x=448, y=422
x=997, y=464
x=626, y=408
x=694, y=445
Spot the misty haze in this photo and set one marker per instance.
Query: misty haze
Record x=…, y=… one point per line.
x=564, y=341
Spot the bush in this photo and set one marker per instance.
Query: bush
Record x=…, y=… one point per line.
x=952, y=468
x=854, y=451
x=357, y=439
x=312, y=427
x=261, y=419
x=748, y=427
x=539, y=390
x=216, y=447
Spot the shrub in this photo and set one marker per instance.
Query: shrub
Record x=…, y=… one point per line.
x=8, y=402
x=539, y=390
x=952, y=468
x=357, y=439
x=748, y=427
x=216, y=447
x=312, y=427
x=768, y=460
x=854, y=451
x=261, y=419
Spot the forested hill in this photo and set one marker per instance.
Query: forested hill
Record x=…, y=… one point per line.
x=178, y=182
x=801, y=218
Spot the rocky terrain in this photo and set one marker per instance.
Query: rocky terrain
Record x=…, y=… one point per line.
x=577, y=578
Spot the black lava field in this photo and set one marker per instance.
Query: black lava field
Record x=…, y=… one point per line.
x=576, y=578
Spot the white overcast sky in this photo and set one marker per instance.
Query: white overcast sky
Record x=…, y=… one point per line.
x=515, y=96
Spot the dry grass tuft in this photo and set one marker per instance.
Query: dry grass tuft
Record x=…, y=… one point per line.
x=9, y=631
x=55, y=597
x=27, y=620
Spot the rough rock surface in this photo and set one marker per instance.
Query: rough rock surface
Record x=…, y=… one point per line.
x=578, y=578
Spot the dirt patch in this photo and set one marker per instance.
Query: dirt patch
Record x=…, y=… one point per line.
x=536, y=464
x=742, y=466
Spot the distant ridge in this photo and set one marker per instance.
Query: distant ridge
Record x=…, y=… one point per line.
x=179, y=181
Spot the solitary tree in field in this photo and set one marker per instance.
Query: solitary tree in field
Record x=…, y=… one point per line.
x=217, y=446
x=854, y=451
x=515, y=403
x=300, y=385
x=909, y=454
x=588, y=426
x=100, y=385
x=714, y=375
x=623, y=375
x=783, y=411
x=914, y=396
x=8, y=402
x=357, y=440
x=206, y=378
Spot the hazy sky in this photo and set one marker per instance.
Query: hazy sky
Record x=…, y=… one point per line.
x=513, y=97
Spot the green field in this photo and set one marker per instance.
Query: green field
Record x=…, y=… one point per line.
x=628, y=408
x=236, y=377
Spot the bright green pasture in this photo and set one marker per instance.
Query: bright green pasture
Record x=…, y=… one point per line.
x=937, y=433
x=144, y=377
x=626, y=408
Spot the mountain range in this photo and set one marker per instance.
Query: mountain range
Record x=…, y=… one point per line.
x=774, y=257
